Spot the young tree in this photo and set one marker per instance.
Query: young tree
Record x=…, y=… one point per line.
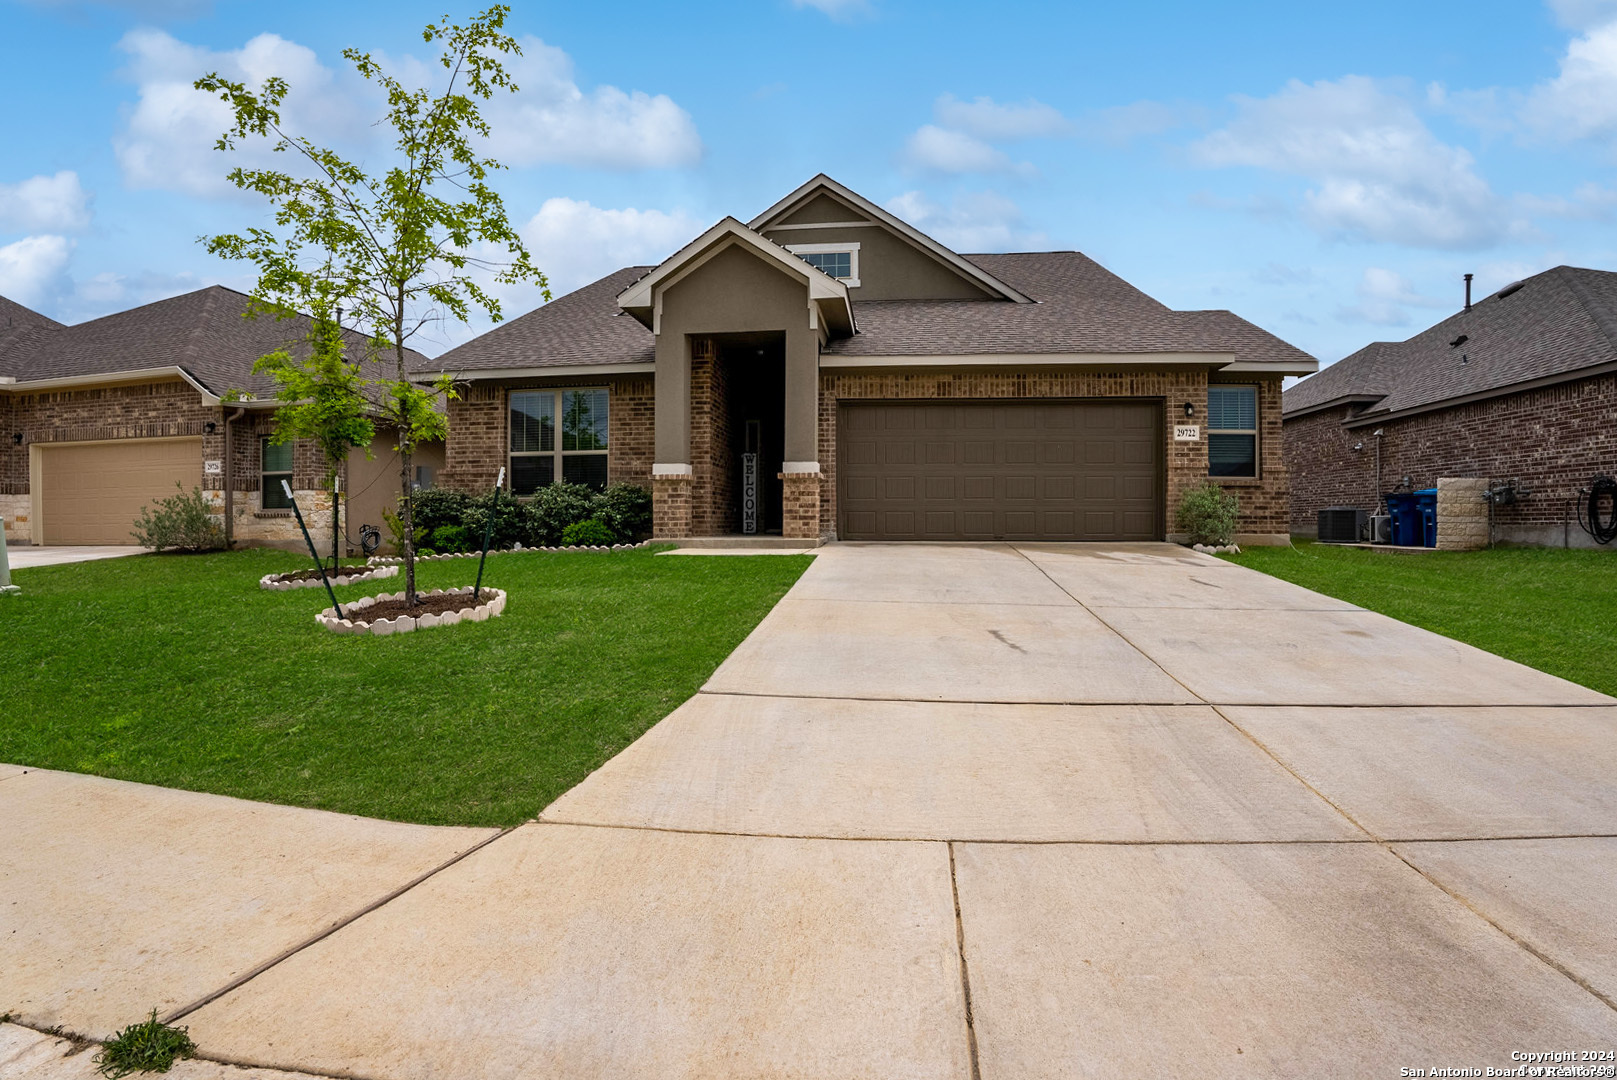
x=392, y=248
x=324, y=400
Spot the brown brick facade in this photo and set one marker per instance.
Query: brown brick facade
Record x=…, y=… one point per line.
x=1551, y=439
x=1263, y=499
x=671, y=510
x=479, y=426
x=714, y=507
x=800, y=505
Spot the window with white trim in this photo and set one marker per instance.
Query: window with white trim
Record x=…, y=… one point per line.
x=1232, y=430
x=840, y=261
x=557, y=435
x=275, y=465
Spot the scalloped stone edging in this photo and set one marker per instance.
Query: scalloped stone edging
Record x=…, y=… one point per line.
x=492, y=608
x=268, y=580
x=1216, y=549
x=394, y=560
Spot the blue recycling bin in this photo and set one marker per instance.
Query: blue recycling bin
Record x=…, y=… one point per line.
x=1426, y=507
x=1406, y=528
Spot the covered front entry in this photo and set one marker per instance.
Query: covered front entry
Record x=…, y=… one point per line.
x=91, y=493
x=1000, y=470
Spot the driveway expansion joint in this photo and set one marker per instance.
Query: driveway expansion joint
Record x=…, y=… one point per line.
x=340, y=924
x=965, y=973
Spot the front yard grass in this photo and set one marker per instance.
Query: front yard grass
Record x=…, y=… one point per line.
x=1554, y=610
x=180, y=671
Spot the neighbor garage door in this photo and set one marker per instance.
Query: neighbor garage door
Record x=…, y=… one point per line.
x=1053, y=470
x=90, y=493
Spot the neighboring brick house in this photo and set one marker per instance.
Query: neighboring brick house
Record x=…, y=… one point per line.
x=99, y=419
x=1520, y=386
x=828, y=371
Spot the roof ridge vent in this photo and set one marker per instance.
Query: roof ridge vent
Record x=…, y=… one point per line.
x=1508, y=289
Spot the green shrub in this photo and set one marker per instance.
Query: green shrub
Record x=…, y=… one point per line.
x=1209, y=514
x=437, y=507
x=148, y=1046
x=626, y=509
x=183, y=522
x=588, y=532
x=451, y=538
x=511, y=521
x=555, y=507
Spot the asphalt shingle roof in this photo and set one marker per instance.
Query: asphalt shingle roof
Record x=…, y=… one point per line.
x=19, y=326
x=1082, y=308
x=204, y=332
x=1556, y=323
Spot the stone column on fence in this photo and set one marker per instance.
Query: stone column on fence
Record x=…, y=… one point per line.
x=1462, y=514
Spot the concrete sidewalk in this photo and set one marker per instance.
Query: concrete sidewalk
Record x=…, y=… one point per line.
x=954, y=810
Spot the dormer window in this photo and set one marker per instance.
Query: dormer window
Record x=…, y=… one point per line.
x=840, y=261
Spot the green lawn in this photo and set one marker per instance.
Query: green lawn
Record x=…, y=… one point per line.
x=1550, y=609
x=179, y=670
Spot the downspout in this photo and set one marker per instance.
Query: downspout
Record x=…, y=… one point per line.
x=230, y=475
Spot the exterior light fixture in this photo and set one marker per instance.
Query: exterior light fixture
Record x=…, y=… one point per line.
x=16, y=440
x=1190, y=410
x=210, y=427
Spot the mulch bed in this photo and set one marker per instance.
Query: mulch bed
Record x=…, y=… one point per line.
x=314, y=575
x=426, y=605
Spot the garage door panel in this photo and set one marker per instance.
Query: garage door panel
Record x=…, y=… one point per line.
x=91, y=493
x=1059, y=470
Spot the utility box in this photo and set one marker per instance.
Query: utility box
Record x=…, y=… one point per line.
x=1341, y=525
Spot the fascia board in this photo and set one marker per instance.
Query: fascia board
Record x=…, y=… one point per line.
x=1210, y=361
x=114, y=378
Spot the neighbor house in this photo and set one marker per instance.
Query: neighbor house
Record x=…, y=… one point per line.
x=1520, y=386
x=826, y=370
x=99, y=419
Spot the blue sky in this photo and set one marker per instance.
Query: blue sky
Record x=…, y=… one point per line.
x=1327, y=171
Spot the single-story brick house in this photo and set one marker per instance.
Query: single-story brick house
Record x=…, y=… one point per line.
x=99, y=419
x=828, y=371
x=1519, y=386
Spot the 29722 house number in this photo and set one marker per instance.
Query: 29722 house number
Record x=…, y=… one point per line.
x=1187, y=433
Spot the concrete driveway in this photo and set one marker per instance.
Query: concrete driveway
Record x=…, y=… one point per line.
x=950, y=811
x=23, y=557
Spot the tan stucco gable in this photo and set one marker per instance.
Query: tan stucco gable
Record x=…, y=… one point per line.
x=905, y=263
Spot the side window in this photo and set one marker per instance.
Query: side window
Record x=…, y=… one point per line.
x=1232, y=430
x=276, y=466
x=840, y=261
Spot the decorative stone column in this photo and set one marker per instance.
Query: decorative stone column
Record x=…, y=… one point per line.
x=670, y=501
x=1462, y=514
x=800, y=501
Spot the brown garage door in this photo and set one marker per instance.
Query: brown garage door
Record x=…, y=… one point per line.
x=90, y=493
x=1048, y=470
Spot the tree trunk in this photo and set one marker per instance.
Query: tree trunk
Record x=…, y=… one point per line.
x=407, y=519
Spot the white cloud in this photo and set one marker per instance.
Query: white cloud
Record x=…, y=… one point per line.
x=1378, y=172
x=985, y=118
x=940, y=150
x=169, y=134
x=841, y=10
x=978, y=221
x=1121, y=124
x=33, y=271
x=552, y=120
x=1581, y=101
x=576, y=243
x=1384, y=296
x=168, y=139
x=1580, y=14
x=45, y=203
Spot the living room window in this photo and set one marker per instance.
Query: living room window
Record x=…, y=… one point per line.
x=1232, y=430
x=558, y=435
x=841, y=261
x=276, y=466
